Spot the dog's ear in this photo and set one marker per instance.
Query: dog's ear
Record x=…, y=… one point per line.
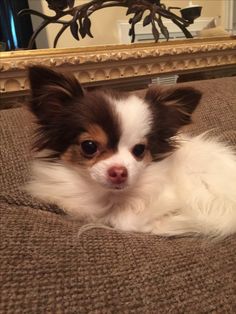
x=172, y=109
x=173, y=106
x=54, y=100
x=51, y=92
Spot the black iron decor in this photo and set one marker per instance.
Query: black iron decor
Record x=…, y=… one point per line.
x=80, y=23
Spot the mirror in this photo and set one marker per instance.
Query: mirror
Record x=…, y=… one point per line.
x=109, y=59
x=111, y=25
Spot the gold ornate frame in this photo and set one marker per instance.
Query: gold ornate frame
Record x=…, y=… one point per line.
x=116, y=64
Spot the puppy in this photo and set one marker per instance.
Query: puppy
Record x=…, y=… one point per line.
x=119, y=160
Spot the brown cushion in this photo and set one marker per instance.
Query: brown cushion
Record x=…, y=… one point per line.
x=46, y=268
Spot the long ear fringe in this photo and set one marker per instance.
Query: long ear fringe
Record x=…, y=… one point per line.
x=172, y=109
x=51, y=91
x=182, y=99
x=40, y=76
x=53, y=101
x=173, y=106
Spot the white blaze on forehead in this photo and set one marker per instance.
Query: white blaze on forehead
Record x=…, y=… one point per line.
x=135, y=118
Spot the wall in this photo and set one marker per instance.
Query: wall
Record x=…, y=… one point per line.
x=104, y=22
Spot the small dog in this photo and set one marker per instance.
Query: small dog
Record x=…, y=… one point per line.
x=120, y=160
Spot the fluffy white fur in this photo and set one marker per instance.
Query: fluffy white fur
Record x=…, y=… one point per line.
x=135, y=120
x=191, y=191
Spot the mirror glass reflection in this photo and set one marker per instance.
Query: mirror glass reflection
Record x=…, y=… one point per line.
x=110, y=26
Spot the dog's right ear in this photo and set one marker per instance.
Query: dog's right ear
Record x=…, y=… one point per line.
x=51, y=92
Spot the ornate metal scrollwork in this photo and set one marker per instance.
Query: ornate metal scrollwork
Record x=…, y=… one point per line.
x=150, y=11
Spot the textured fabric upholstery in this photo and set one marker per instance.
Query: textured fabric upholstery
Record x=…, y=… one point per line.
x=47, y=268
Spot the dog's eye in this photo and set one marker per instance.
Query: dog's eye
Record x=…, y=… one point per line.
x=138, y=150
x=89, y=148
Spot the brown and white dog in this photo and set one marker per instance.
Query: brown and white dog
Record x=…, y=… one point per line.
x=120, y=160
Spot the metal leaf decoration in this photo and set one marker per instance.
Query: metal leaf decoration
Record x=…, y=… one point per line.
x=147, y=20
x=163, y=28
x=155, y=31
x=87, y=26
x=80, y=22
x=137, y=17
x=74, y=29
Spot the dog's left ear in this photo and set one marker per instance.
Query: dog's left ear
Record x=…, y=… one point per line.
x=173, y=107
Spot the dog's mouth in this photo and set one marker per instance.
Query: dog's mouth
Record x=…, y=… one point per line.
x=107, y=184
x=115, y=187
x=119, y=187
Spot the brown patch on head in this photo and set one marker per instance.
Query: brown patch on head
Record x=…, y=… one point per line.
x=96, y=109
x=71, y=155
x=64, y=111
x=75, y=157
x=94, y=133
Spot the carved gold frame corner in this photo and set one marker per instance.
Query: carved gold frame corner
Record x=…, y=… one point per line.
x=106, y=64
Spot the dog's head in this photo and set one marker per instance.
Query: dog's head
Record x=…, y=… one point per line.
x=110, y=137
